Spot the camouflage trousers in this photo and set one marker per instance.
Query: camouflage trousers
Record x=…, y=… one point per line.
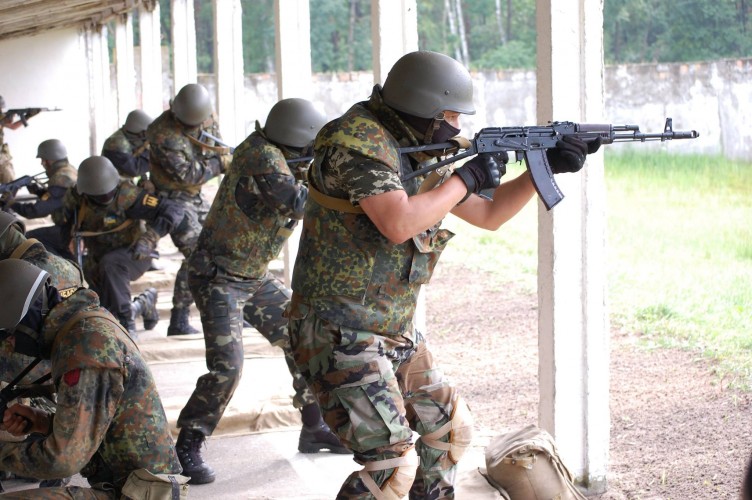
x=185, y=237
x=374, y=391
x=66, y=493
x=223, y=301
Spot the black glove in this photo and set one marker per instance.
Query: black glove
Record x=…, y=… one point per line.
x=570, y=152
x=143, y=248
x=36, y=189
x=483, y=172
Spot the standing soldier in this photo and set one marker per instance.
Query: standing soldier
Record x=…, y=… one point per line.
x=109, y=420
x=255, y=210
x=128, y=149
x=61, y=175
x=105, y=210
x=182, y=161
x=7, y=173
x=370, y=240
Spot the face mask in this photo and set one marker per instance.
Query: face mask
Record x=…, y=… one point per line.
x=103, y=199
x=444, y=133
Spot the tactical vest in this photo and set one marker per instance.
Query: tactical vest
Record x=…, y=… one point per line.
x=346, y=269
x=243, y=235
x=63, y=174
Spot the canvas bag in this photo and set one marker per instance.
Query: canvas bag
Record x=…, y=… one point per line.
x=525, y=465
x=143, y=485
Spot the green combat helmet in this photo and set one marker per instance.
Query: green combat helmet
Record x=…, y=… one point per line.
x=97, y=176
x=192, y=105
x=7, y=220
x=21, y=285
x=137, y=121
x=425, y=83
x=293, y=122
x=52, y=150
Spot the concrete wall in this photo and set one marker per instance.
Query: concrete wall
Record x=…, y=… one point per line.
x=713, y=98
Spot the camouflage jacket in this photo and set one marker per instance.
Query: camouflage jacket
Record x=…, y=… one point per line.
x=127, y=152
x=115, y=225
x=178, y=163
x=345, y=268
x=61, y=176
x=253, y=213
x=109, y=419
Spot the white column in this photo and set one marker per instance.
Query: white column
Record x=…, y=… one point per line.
x=394, y=33
x=184, y=64
x=101, y=109
x=292, y=20
x=152, y=100
x=573, y=324
x=125, y=66
x=228, y=58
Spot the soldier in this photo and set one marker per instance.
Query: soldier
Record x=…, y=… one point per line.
x=127, y=148
x=61, y=175
x=369, y=241
x=182, y=161
x=105, y=209
x=255, y=210
x=7, y=173
x=109, y=420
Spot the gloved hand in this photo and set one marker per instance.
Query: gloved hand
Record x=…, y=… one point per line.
x=144, y=246
x=570, y=152
x=483, y=172
x=36, y=189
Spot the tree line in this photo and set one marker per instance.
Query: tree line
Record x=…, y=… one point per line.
x=491, y=34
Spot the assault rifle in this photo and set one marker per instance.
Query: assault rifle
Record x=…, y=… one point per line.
x=13, y=390
x=9, y=190
x=25, y=113
x=531, y=143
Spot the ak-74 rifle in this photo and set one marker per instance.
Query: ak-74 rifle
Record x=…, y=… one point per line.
x=530, y=144
x=25, y=113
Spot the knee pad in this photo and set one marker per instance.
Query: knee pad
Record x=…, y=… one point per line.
x=399, y=483
x=459, y=428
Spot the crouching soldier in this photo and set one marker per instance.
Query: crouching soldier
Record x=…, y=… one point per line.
x=105, y=210
x=109, y=420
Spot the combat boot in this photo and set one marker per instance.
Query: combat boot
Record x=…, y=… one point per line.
x=179, y=324
x=145, y=305
x=188, y=448
x=319, y=437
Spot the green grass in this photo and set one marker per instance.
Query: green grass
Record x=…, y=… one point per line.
x=679, y=254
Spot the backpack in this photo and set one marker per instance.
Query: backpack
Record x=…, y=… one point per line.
x=524, y=465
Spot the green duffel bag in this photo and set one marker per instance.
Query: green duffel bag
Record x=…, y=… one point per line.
x=144, y=485
x=524, y=465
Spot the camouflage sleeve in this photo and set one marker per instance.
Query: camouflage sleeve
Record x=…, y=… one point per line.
x=180, y=164
x=359, y=177
x=162, y=214
x=87, y=401
x=283, y=194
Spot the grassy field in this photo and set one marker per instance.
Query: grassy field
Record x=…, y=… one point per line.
x=679, y=254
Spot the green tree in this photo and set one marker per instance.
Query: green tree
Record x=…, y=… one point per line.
x=258, y=36
x=340, y=35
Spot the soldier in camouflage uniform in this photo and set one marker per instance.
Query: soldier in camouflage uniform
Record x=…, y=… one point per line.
x=109, y=419
x=255, y=210
x=61, y=175
x=127, y=148
x=369, y=241
x=182, y=161
x=7, y=173
x=106, y=211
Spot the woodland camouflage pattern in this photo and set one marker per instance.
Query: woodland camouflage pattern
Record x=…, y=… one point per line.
x=61, y=175
x=128, y=153
x=252, y=215
x=179, y=168
x=7, y=173
x=64, y=275
x=353, y=304
x=109, y=420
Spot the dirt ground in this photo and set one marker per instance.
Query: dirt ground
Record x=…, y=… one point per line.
x=676, y=431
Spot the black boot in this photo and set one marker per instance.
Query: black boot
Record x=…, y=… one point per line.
x=188, y=448
x=179, y=322
x=145, y=305
x=316, y=435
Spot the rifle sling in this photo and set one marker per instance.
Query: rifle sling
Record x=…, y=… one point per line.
x=87, y=234
x=88, y=314
x=22, y=248
x=217, y=149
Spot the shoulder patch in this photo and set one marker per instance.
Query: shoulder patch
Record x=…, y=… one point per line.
x=67, y=292
x=72, y=377
x=150, y=201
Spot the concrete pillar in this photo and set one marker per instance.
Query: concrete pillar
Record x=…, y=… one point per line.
x=184, y=65
x=152, y=100
x=292, y=20
x=228, y=58
x=573, y=324
x=125, y=66
x=394, y=33
x=101, y=110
